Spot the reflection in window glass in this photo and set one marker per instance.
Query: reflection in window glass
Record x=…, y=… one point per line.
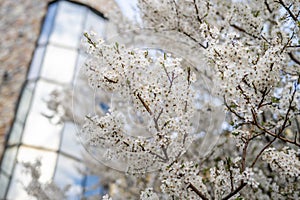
x=68, y=173
x=15, y=133
x=3, y=185
x=47, y=158
x=16, y=187
x=19, y=179
x=48, y=23
x=38, y=130
x=41, y=95
x=59, y=64
x=68, y=24
x=70, y=143
x=8, y=160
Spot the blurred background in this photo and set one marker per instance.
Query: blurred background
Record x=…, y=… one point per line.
x=40, y=51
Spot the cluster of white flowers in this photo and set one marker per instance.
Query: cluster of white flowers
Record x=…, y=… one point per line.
x=285, y=162
x=249, y=50
x=106, y=197
x=156, y=94
x=248, y=73
x=182, y=180
x=252, y=57
x=225, y=177
x=248, y=177
x=148, y=194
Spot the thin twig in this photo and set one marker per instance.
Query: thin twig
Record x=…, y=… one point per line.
x=288, y=10
x=197, y=12
x=232, y=111
x=268, y=6
x=244, y=31
x=244, y=155
x=242, y=185
x=263, y=149
x=192, y=38
x=144, y=103
x=293, y=57
x=255, y=122
x=230, y=174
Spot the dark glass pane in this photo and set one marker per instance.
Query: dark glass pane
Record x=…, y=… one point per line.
x=16, y=133
x=9, y=159
x=3, y=185
x=25, y=101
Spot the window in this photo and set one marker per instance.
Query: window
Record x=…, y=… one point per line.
x=56, y=59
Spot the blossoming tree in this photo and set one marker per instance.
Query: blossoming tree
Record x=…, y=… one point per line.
x=164, y=102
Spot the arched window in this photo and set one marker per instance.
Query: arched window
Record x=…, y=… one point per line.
x=56, y=58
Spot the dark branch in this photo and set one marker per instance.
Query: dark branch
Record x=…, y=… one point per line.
x=235, y=191
x=263, y=149
x=244, y=31
x=197, y=12
x=199, y=193
x=288, y=10
x=192, y=38
x=293, y=57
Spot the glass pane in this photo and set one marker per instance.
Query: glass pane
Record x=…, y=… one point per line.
x=48, y=23
x=39, y=130
x=68, y=173
x=3, y=185
x=9, y=159
x=16, y=133
x=48, y=160
x=95, y=23
x=59, y=64
x=70, y=143
x=36, y=63
x=68, y=24
x=24, y=104
x=16, y=189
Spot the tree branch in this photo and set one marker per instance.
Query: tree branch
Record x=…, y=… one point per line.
x=271, y=133
x=263, y=149
x=293, y=57
x=231, y=194
x=192, y=38
x=199, y=193
x=244, y=31
x=288, y=10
